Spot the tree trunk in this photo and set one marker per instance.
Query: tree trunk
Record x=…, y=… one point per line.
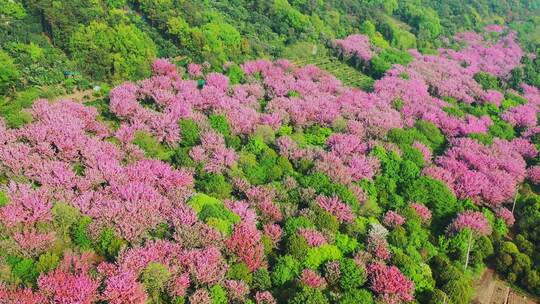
x=515, y=198
x=468, y=250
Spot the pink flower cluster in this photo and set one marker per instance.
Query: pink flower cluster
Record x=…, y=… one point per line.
x=312, y=279
x=393, y=219
x=497, y=58
x=493, y=97
x=377, y=245
x=132, y=198
x=336, y=207
x=521, y=116
x=264, y=297
x=487, y=174
x=313, y=237
x=390, y=284
x=422, y=211
x=506, y=215
x=476, y=221
x=237, y=290
x=213, y=153
x=356, y=45
x=412, y=86
x=378, y=248
x=201, y=296
x=426, y=152
x=260, y=198
x=445, y=77
x=245, y=243
x=450, y=74
x=495, y=28
x=70, y=282
x=199, y=267
x=346, y=169
x=194, y=70
x=533, y=174
x=273, y=231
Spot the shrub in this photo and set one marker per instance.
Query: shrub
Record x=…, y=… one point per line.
x=356, y=296
x=317, y=256
x=220, y=124
x=218, y=294
x=240, y=271
x=309, y=296
x=215, y=184
x=151, y=147
x=47, y=262
x=65, y=216
x=352, y=276
x=261, y=279
x=487, y=81
x=189, y=132
x=297, y=246
x=286, y=269
x=434, y=194
x=212, y=211
x=108, y=244
x=154, y=278
x=345, y=243
x=79, y=233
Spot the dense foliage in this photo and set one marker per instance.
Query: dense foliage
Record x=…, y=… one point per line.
x=267, y=181
x=287, y=185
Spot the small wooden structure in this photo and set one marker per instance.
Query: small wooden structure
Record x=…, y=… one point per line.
x=71, y=74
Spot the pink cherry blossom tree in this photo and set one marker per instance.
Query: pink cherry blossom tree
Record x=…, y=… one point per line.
x=475, y=223
x=390, y=284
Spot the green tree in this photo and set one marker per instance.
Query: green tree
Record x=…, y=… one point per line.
x=285, y=270
x=309, y=296
x=352, y=277
x=459, y=291
x=356, y=296
x=47, y=262
x=154, y=278
x=439, y=297
x=65, y=217
x=9, y=73
x=218, y=294
x=151, y=146
x=434, y=194
x=11, y=9
x=261, y=279
x=115, y=53
x=222, y=42
x=189, y=133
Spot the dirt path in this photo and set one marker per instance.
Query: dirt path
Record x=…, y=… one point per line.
x=79, y=96
x=492, y=290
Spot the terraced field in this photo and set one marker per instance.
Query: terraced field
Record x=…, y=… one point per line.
x=347, y=74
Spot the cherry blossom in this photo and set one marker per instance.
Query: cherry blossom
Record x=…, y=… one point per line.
x=356, y=45
x=422, y=211
x=476, y=221
x=390, y=284
x=393, y=219
x=312, y=279
x=245, y=242
x=336, y=207
x=313, y=237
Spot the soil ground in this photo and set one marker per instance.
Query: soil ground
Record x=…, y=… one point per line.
x=492, y=290
x=79, y=96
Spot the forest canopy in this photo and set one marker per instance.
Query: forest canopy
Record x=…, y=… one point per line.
x=265, y=152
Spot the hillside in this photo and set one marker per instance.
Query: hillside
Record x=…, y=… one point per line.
x=372, y=151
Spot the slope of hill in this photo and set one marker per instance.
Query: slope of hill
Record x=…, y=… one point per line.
x=389, y=157
x=274, y=183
